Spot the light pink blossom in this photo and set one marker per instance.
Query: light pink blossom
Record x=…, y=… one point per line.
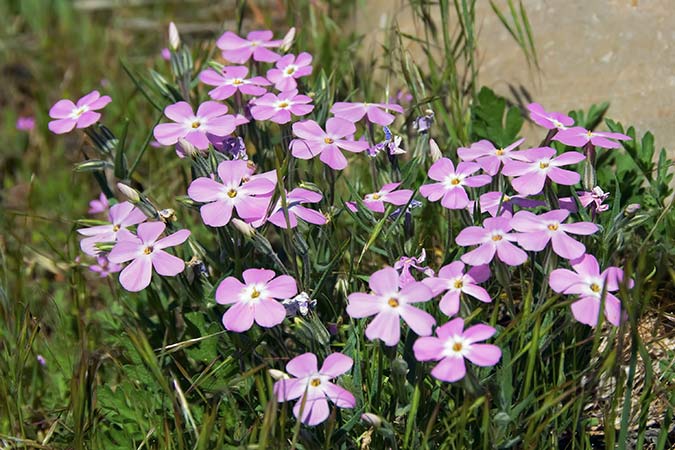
x=453, y=281
x=453, y=345
x=387, y=194
x=288, y=68
x=69, y=115
x=549, y=120
x=579, y=136
x=257, y=45
x=452, y=183
x=146, y=251
x=211, y=118
x=389, y=305
x=99, y=205
x=279, y=107
x=493, y=237
x=121, y=216
x=374, y=112
x=294, y=201
x=104, y=267
x=495, y=201
x=313, y=386
x=536, y=165
x=313, y=141
x=256, y=299
x=487, y=156
x=405, y=263
x=230, y=80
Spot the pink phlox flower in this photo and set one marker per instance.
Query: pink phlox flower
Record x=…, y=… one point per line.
x=279, y=107
x=231, y=193
x=288, y=68
x=231, y=80
x=537, y=231
x=594, y=198
x=405, y=263
x=294, y=201
x=82, y=114
x=452, y=183
x=453, y=345
x=165, y=54
x=536, y=165
x=313, y=387
x=487, y=156
x=313, y=141
x=374, y=112
x=257, y=299
x=98, y=205
x=146, y=251
x=257, y=44
x=493, y=237
x=211, y=118
x=453, y=281
x=388, y=194
x=389, y=305
x=549, y=120
x=490, y=202
x=121, y=216
x=104, y=267
x=579, y=136
x=24, y=123
x=589, y=283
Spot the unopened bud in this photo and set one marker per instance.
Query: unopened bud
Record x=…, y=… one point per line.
x=167, y=215
x=632, y=209
x=132, y=194
x=174, y=37
x=184, y=148
x=434, y=151
x=288, y=40
x=372, y=419
x=242, y=227
x=278, y=374
x=399, y=367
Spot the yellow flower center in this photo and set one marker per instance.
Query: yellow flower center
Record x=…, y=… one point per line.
x=196, y=124
x=376, y=196
x=116, y=228
x=315, y=382
x=459, y=284
x=595, y=287
x=497, y=237
x=543, y=165
x=589, y=134
x=232, y=193
x=455, y=181
x=506, y=199
x=553, y=227
x=290, y=71
x=457, y=346
x=393, y=302
x=237, y=81
x=283, y=105
x=328, y=140
x=147, y=250
x=499, y=152
x=255, y=293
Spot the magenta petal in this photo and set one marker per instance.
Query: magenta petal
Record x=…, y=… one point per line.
x=583, y=228
x=385, y=326
x=61, y=126
x=339, y=395
x=179, y=112
x=239, y=317
x=477, y=292
x=262, y=276
x=269, y=313
x=338, y=128
x=362, y=305
x=470, y=236
x=564, y=177
x=289, y=389
x=376, y=115
x=333, y=157
x=480, y=255
x=174, y=239
x=150, y=231
x=452, y=328
x=534, y=240
x=531, y=184
x=125, y=251
x=567, y=247
x=416, y=292
x=613, y=309
x=384, y=281
x=428, y=348
x=510, y=254
x=452, y=270
x=62, y=109
x=449, y=369
x=309, y=215
x=314, y=412
x=216, y=214
x=282, y=287
x=421, y=322
x=336, y=364
x=169, y=133
x=228, y=291
x=137, y=275
x=441, y=169
x=456, y=198
x=484, y=355
x=586, y=310
x=433, y=191
x=167, y=265
x=205, y=190
x=477, y=333
x=88, y=119
x=565, y=281
x=449, y=304
x=303, y=365
x=586, y=265
x=568, y=158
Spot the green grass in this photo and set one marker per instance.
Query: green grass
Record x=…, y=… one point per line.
x=156, y=369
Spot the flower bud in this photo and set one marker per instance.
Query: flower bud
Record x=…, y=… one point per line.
x=632, y=209
x=434, y=151
x=184, y=148
x=174, y=37
x=277, y=374
x=399, y=367
x=288, y=40
x=372, y=419
x=132, y=194
x=167, y=215
x=242, y=227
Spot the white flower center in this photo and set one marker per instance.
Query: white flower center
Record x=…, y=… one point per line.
x=282, y=104
x=290, y=70
x=456, y=347
x=79, y=111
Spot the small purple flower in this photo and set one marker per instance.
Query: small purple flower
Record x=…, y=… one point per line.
x=104, y=267
x=211, y=118
x=279, y=107
x=389, y=305
x=595, y=199
x=99, y=205
x=313, y=386
x=451, y=278
x=490, y=202
x=404, y=264
x=536, y=165
x=589, y=284
x=452, y=182
x=232, y=146
x=493, y=237
x=82, y=114
x=537, y=231
x=221, y=198
x=314, y=141
x=423, y=123
x=231, y=80
x=41, y=360
x=146, y=251
x=578, y=137
x=294, y=201
x=256, y=299
x=25, y=123
x=375, y=201
x=549, y=120
x=453, y=345
x=166, y=54
x=122, y=216
x=487, y=156
x=257, y=44
x=374, y=112
x=288, y=68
